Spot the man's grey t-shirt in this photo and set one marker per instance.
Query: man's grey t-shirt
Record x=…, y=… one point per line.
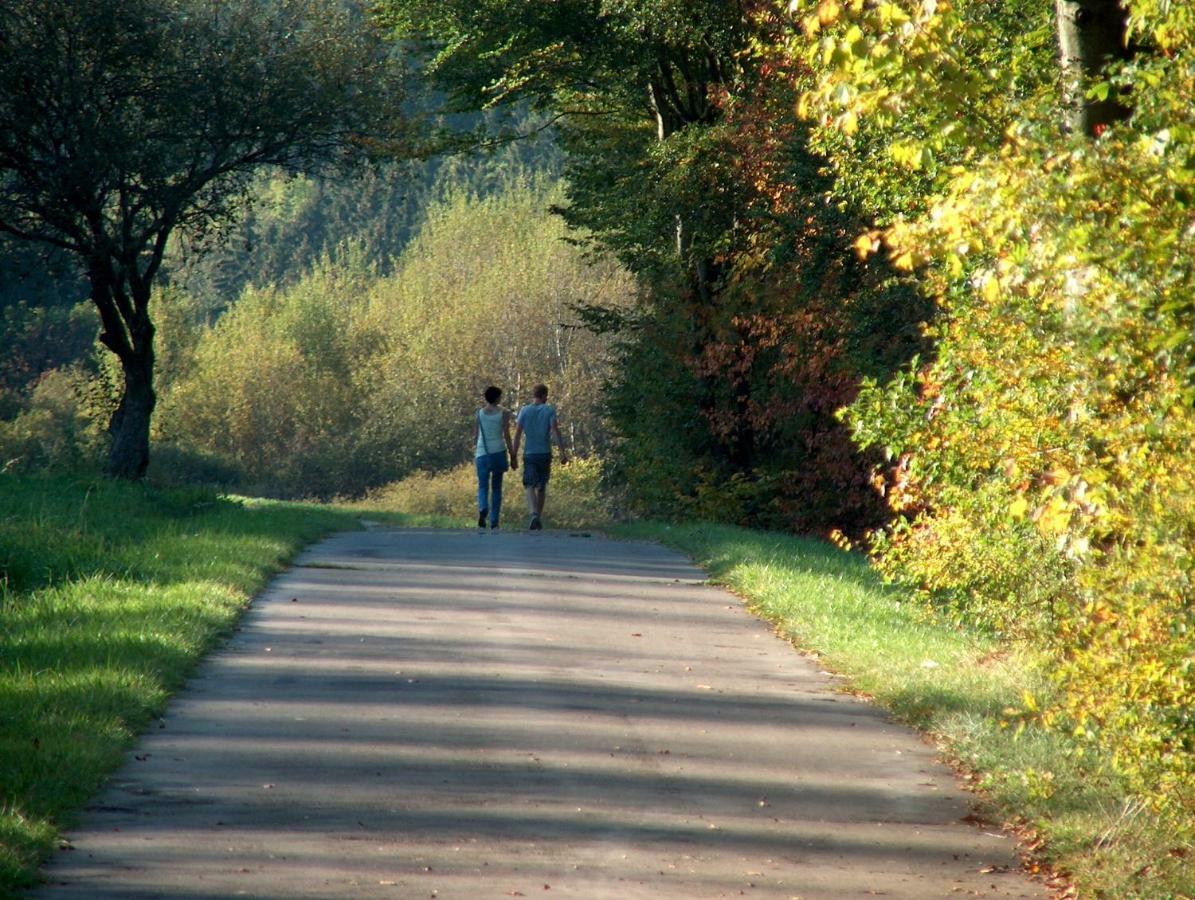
x=537, y=419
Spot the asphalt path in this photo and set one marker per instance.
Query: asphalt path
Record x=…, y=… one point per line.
x=446, y=714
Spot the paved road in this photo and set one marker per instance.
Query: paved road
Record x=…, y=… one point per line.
x=417, y=714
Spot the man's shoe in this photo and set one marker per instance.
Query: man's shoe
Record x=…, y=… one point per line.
x=481, y=518
x=535, y=525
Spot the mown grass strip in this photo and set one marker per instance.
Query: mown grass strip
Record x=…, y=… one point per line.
x=109, y=595
x=954, y=684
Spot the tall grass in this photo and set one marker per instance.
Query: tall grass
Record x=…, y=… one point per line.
x=109, y=595
x=961, y=686
x=575, y=497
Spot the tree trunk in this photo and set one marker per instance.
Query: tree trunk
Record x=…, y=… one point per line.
x=129, y=333
x=128, y=457
x=1091, y=33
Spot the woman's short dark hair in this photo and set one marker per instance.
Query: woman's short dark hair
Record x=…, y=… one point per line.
x=493, y=394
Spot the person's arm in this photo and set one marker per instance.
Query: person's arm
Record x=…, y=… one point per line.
x=559, y=441
x=476, y=426
x=514, y=461
x=514, y=450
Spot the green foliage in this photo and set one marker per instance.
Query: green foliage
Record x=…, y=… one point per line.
x=58, y=425
x=270, y=393
x=485, y=295
x=109, y=595
x=725, y=406
x=295, y=222
x=40, y=338
x=348, y=380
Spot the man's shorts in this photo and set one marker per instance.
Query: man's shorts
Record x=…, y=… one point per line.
x=537, y=468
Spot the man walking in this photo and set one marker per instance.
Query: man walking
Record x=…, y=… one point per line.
x=537, y=420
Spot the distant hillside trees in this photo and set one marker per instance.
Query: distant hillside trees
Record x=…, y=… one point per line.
x=294, y=223
x=347, y=380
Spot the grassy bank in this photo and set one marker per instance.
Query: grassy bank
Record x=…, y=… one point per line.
x=955, y=685
x=109, y=595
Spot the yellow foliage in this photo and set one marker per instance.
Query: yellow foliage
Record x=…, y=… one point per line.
x=1048, y=446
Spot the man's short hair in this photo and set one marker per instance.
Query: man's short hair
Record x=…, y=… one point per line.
x=540, y=392
x=493, y=394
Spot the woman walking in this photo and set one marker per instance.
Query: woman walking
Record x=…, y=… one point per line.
x=491, y=434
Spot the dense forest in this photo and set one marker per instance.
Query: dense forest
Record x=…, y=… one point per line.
x=915, y=276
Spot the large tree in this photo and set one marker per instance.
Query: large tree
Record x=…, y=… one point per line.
x=125, y=121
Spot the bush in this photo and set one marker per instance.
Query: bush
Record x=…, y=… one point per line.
x=271, y=396
x=55, y=428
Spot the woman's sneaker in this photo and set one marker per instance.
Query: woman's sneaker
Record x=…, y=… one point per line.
x=535, y=525
x=481, y=518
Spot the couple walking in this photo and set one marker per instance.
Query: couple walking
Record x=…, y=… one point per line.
x=536, y=422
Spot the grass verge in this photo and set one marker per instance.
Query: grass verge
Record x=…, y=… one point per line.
x=109, y=595
x=1071, y=812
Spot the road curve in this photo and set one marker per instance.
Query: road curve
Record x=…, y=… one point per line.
x=444, y=714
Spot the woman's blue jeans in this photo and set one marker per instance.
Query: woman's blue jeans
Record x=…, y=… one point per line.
x=489, y=484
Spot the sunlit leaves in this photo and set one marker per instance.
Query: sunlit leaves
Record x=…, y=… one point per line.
x=1044, y=452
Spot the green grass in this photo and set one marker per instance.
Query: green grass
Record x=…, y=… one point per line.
x=955, y=685
x=109, y=595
